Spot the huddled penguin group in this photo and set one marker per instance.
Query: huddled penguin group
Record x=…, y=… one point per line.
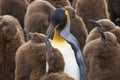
x=59, y=40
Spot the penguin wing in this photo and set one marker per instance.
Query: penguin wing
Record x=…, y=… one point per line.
x=78, y=54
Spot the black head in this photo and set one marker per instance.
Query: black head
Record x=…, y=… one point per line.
x=59, y=18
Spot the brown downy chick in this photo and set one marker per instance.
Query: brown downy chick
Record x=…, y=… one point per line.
x=31, y=59
x=57, y=76
x=16, y=8
x=92, y=9
x=59, y=3
x=103, y=24
x=78, y=28
x=55, y=61
x=102, y=57
x=37, y=17
x=11, y=38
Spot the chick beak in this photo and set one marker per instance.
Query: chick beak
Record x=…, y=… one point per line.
x=102, y=35
x=29, y=35
x=95, y=23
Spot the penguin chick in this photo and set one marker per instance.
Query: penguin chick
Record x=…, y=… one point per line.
x=105, y=25
x=16, y=8
x=57, y=76
x=37, y=17
x=59, y=3
x=56, y=62
x=92, y=9
x=10, y=39
x=31, y=59
x=79, y=30
x=102, y=57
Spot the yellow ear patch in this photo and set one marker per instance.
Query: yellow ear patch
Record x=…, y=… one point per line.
x=67, y=14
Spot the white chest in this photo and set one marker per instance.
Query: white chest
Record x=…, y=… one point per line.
x=71, y=67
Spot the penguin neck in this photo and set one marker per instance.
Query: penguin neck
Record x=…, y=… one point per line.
x=57, y=39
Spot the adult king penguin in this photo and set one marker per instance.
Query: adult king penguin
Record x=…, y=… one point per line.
x=68, y=45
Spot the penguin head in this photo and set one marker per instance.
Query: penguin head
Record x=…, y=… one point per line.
x=59, y=20
x=8, y=27
x=59, y=24
x=108, y=38
x=107, y=24
x=104, y=24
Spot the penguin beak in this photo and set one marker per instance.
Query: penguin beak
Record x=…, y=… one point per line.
x=27, y=33
x=102, y=35
x=95, y=23
x=51, y=29
x=98, y=25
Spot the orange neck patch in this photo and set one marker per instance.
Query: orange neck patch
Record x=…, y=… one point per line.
x=57, y=38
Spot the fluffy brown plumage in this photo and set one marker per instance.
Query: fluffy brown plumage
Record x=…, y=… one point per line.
x=37, y=17
x=11, y=38
x=78, y=28
x=16, y=8
x=57, y=76
x=107, y=25
x=32, y=56
x=92, y=9
x=59, y=3
x=116, y=31
x=102, y=58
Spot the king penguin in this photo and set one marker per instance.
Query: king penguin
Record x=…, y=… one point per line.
x=67, y=44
